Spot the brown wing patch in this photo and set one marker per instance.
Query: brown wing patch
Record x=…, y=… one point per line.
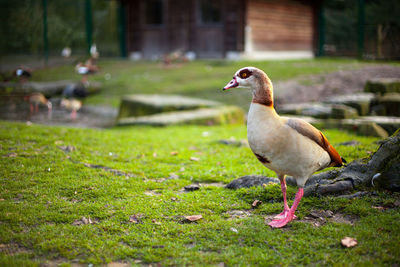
x=262, y=159
x=314, y=134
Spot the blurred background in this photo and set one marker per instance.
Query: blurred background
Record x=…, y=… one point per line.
x=147, y=29
x=71, y=61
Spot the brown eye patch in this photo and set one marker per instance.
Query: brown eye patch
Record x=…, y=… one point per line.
x=244, y=74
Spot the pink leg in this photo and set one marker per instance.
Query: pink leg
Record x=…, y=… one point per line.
x=283, y=214
x=73, y=114
x=31, y=108
x=290, y=215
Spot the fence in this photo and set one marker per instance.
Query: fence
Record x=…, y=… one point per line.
x=360, y=28
x=45, y=27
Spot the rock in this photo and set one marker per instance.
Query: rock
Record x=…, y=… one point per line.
x=49, y=89
x=388, y=124
x=379, y=126
x=141, y=105
x=319, y=110
x=192, y=187
x=202, y=116
x=359, y=101
x=383, y=85
x=389, y=104
x=367, y=128
x=251, y=180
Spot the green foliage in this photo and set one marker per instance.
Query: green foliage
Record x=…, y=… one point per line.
x=45, y=191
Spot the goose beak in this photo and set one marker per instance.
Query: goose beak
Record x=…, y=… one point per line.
x=232, y=84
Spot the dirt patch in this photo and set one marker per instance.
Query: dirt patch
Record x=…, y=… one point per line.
x=12, y=249
x=318, y=87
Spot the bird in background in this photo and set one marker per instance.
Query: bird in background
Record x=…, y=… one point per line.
x=288, y=146
x=73, y=105
x=94, y=53
x=66, y=52
x=36, y=99
x=23, y=74
x=84, y=69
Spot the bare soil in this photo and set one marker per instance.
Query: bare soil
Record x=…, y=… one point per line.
x=317, y=87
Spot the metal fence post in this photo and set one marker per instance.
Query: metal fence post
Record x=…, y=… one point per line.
x=360, y=22
x=321, y=31
x=89, y=23
x=121, y=29
x=45, y=37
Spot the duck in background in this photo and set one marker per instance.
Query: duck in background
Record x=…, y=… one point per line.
x=36, y=99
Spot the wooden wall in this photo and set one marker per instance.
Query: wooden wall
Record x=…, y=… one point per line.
x=183, y=31
x=285, y=25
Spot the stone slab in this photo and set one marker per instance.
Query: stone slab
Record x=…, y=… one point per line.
x=319, y=110
x=202, y=116
x=359, y=101
x=383, y=85
x=49, y=89
x=141, y=105
x=389, y=104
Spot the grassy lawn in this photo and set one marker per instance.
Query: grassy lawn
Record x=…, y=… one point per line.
x=51, y=179
x=73, y=196
x=203, y=79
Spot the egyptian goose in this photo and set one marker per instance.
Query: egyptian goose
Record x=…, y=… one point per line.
x=22, y=73
x=288, y=146
x=87, y=68
x=35, y=99
x=71, y=104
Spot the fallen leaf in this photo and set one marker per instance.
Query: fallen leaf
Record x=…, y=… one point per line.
x=155, y=222
x=67, y=149
x=193, y=218
x=379, y=208
x=194, y=159
x=174, y=153
x=256, y=203
x=135, y=218
x=348, y=242
x=10, y=155
x=84, y=220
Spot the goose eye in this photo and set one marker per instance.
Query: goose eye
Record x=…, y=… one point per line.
x=244, y=74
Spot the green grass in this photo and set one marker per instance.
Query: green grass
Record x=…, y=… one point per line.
x=44, y=190
x=198, y=79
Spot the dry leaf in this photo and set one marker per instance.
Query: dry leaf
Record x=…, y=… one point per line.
x=10, y=155
x=348, y=242
x=256, y=203
x=194, y=159
x=84, y=220
x=155, y=222
x=135, y=218
x=174, y=153
x=193, y=218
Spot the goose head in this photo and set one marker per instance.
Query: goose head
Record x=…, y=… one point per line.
x=256, y=80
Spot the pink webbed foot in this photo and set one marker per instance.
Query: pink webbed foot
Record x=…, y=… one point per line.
x=281, y=222
x=283, y=214
x=288, y=214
